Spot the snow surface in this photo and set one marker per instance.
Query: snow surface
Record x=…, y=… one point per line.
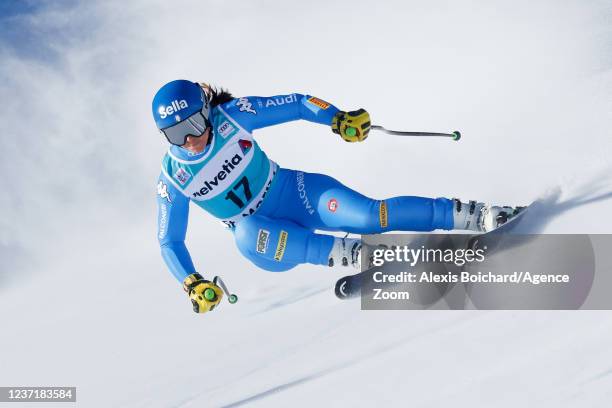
x=86, y=301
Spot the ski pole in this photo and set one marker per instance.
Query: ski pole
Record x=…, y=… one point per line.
x=232, y=298
x=454, y=135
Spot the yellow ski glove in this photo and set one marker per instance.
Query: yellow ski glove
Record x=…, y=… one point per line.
x=204, y=294
x=352, y=126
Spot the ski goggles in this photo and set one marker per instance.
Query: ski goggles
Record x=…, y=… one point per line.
x=194, y=125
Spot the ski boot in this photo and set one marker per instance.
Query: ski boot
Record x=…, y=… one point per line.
x=353, y=252
x=345, y=252
x=481, y=217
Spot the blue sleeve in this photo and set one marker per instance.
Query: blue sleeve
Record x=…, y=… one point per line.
x=172, y=216
x=255, y=112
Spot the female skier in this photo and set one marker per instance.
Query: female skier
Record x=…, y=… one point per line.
x=272, y=211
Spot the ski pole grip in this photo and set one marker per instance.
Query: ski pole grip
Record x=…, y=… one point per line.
x=231, y=297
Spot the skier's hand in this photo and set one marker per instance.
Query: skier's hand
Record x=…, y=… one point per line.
x=204, y=294
x=352, y=126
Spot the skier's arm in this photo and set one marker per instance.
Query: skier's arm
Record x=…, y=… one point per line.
x=172, y=216
x=255, y=112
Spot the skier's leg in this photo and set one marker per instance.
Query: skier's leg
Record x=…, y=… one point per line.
x=318, y=201
x=278, y=245
x=322, y=202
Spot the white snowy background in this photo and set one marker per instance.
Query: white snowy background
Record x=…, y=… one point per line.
x=85, y=299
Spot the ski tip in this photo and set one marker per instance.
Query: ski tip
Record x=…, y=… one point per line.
x=457, y=135
x=348, y=287
x=341, y=289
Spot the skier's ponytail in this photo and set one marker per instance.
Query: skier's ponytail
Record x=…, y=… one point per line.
x=217, y=96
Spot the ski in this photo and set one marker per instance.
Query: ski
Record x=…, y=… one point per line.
x=349, y=286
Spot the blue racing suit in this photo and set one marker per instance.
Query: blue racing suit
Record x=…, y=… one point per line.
x=273, y=211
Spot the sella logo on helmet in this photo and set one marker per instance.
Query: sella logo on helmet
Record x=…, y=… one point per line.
x=175, y=106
